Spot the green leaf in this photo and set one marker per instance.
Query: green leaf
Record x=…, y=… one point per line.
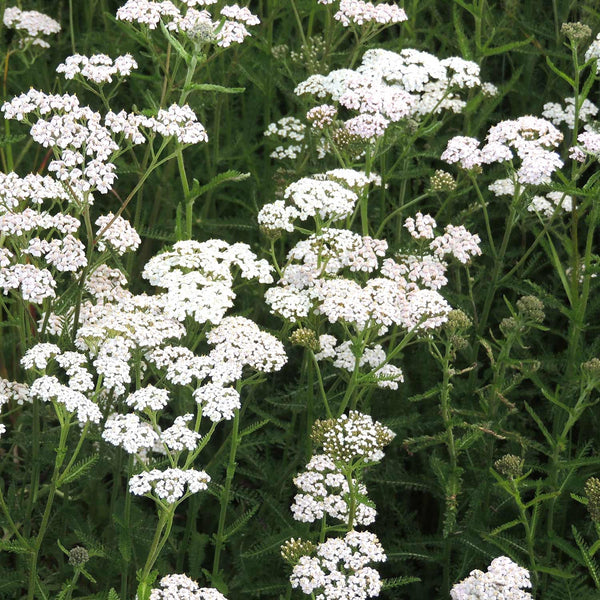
x=556, y=572
x=540, y=424
x=562, y=75
x=230, y=175
x=505, y=48
x=254, y=427
x=79, y=469
x=588, y=559
x=505, y=526
x=541, y=498
x=239, y=522
x=112, y=595
x=16, y=547
x=212, y=87
x=394, y=582
x=176, y=44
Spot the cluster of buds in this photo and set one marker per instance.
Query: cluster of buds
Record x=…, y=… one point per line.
x=510, y=466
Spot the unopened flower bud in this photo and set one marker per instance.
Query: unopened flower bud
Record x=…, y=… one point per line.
x=592, y=492
x=442, y=181
x=509, y=325
x=78, y=556
x=509, y=465
x=577, y=32
x=591, y=368
x=306, y=338
x=532, y=308
x=457, y=321
x=293, y=550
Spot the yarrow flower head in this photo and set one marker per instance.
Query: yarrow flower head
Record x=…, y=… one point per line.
x=357, y=12
x=169, y=485
x=98, y=68
x=339, y=569
x=530, y=138
x=323, y=490
x=181, y=587
x=355, y=436
x=31, y=25
x=503, y=579
x=199, y=277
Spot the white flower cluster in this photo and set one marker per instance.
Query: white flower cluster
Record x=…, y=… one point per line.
x=32, y=188
x=324, y=491
x=292, y=133
x=238, y=343
x=558, y=114
x=589, y=144
x=148, y=397
x=111, y=331
x=179, y=436
x=169, y=485
x=218, y=402
x=547, y=205
x=13, y=390
x=313, y=280
x=339, y=570
x=18, y=221
x=456, y=242
x=359, y=12
x=98, y=68
x=503, y=579
x=181, y=587
x=593, y=52
x=33, y=284
x=129, y=432
x=180, y=122
x=31, y=25
x=84, y=140
x=386, y=375
x=181, y=17
x=327, y=197
x=48, y=388
x=199, y=277
x=388, y=87
x=530, y=138
x=352, y=437
x=117, y=233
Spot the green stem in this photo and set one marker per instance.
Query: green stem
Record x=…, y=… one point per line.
x=225, y=493
x=60, y=455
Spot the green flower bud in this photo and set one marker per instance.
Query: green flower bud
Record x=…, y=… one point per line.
x=78, y=556
x=592, y=492
x=293, y=550
x=509, y=465
x=306, y=338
